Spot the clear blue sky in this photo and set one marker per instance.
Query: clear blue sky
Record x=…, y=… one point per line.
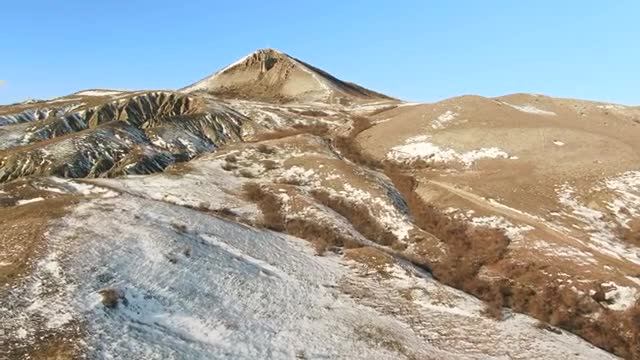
x=414, y=50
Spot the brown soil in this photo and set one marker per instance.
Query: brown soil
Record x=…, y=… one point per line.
x=22, y=236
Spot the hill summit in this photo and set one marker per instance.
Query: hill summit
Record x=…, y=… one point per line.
x=272, y=76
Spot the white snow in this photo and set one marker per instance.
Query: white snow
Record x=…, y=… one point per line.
x=234, y=64
x=621, y=297
x=417, y=148
x=99, y=92
x=28, y=201
x=612, y=107
x=558, y=143
x=528, y=108
x=441, y=121
x=241, y=293
x=601, y=232
x=514, y=232
x=625, y=205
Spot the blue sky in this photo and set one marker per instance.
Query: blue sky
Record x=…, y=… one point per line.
x=414, y=50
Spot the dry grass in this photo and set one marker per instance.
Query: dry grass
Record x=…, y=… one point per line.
x=318, y=129
x=371, y=258
x=358, y=215
x=522, y=287
x=269, y=204
x=632, y=234
x=381, y=110
x=322, y=236
x=23, y=234
x=66, y=343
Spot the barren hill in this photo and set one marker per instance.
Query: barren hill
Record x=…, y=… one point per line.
x=274, y=211
x=270, y=75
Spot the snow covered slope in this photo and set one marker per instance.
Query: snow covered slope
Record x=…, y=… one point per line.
x=185, y=284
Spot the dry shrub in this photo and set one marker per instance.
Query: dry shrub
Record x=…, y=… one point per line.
x=247, y=174
x=269, y=165
x=231, y=158
x=371, y=259
x=111, y=297
x=358, y=215
x=349, y=148
x=264, y=149
x=181, y=228
x=322, y=236
x=228, y=166
x=253, y=192
x=269, y=204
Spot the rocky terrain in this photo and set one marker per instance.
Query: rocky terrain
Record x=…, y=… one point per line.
x=271, y=210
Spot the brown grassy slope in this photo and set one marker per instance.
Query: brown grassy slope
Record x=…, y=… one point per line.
x=470, y=250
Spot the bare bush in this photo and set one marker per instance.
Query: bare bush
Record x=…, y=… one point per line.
x=228, y=167
x=181, y=228
x=247, y=174
x=322, y=236
x=358, y=215
x=111, y=297
x=264, y=149
x=269, y=204
x=269, y=165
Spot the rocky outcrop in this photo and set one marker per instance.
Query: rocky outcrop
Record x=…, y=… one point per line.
x=139, y=134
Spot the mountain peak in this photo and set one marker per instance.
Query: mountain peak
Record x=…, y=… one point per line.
x=273, y=76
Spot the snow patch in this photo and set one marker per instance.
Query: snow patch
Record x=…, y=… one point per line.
x=417, y=148
x=28, y=201
x=528, y=108
x=514, y=232
x=99, y=92
x=601, y=233
x=441, y=121
x=620, y=297
x=626, y=206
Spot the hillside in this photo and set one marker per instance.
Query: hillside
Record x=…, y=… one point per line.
x=274, y=211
